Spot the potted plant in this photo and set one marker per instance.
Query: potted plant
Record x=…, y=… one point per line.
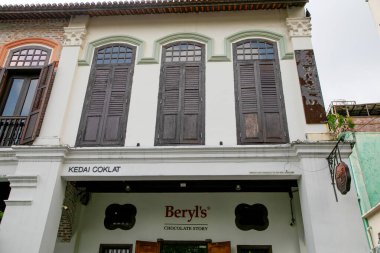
x=339, y=124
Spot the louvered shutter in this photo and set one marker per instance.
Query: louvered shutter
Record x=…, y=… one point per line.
x=116, y=109
x=34, y=121
x=248, y=103
x=105, y=113
x=271, y=109
x=192, y=107
x=169, y=120
x=219, y=247
x=3, y=80
x=92, y=117
x=147, y=247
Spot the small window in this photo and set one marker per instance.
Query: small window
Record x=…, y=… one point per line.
x=28, y=57
x=115, y=248
x=254, y=249
x=183, y=52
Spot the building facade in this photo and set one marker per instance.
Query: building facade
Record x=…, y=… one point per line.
x=164, y=126
x=364, y=162
x=374, y=5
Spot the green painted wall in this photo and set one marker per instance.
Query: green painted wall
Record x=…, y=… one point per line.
x=365, y=165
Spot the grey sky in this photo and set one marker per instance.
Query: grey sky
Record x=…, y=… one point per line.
x=346, y=44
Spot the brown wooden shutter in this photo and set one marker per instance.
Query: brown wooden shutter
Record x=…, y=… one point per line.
x=310, y=87
x=271, y=109
x=192, y=106
x=92, y=117
x=106, y=107
x=116, y=109
x=34, y=121
x=3, y=82
x=248, y=103
x=169, y=118
x=147, y=247
x=219, y=247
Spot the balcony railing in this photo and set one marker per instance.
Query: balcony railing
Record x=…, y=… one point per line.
x=10, y=130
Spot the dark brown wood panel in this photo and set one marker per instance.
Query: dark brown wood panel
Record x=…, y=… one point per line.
x=41, y=98
x=219, y=247
x=105, y=110
x=313, y=105
x=260, y=113
x=180, y=111
x=147, y=247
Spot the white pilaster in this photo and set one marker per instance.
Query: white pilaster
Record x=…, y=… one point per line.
x=329, y=225
x=34, y=206
x=74, y=36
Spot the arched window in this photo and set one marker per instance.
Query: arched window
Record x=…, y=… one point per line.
x=29, y=57
x=105, y=109
x=25, y=85
x=259, y=105
x=180, y=117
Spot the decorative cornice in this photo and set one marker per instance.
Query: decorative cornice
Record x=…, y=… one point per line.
x=23, y=181
x=74, y=36
x=299, y=27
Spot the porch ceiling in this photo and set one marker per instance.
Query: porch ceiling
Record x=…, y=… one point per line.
x=38, y=11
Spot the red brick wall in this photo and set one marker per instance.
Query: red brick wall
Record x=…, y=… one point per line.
x=366, y=124
x=21, y=29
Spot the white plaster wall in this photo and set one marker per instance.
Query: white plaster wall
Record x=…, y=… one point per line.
x=330, y=226
x=221, y=220
x=220, y=99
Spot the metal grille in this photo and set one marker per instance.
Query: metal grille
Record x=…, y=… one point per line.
x=120, y=248
x=11, y=130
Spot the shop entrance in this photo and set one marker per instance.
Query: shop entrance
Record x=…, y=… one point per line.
x=162, y=246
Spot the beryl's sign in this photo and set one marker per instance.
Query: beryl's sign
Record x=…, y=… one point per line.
x=186, y=219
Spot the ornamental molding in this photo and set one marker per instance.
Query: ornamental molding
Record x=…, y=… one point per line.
x=299, y=27
x=23, y=181
x=74, y=36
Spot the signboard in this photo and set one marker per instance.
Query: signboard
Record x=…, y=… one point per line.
x=186, y=219
x=343, y=178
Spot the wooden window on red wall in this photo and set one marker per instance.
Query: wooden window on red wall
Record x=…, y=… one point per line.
x=260, y=114
x=105, y=109
x=180, y=113
x=25, y=86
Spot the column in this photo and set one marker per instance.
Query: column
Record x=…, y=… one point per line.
x=53, y=124
x=299, y=31
x=34, y=207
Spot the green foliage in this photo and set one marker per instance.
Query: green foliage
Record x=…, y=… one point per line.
x=339, y=123
x=1, y=214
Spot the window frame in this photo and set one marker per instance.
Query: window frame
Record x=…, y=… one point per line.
x=104, y=247
x=23, y=93
x=280, y=96
x=157, y=140
x=13, y=50
x=80, y=142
